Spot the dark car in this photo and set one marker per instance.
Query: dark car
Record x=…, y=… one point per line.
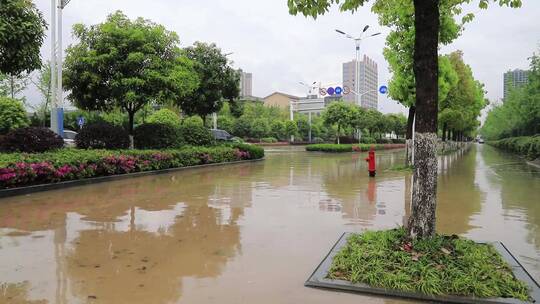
x=221, y=135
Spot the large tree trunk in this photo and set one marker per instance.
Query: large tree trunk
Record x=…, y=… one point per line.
x=422, y=221
x=408, y=136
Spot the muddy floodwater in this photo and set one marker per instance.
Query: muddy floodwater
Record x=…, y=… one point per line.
x=245, y=233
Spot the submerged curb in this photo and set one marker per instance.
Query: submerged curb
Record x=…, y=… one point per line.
x=94, y=180
x=318, y=279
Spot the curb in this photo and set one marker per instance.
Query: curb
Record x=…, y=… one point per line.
x=9, y=192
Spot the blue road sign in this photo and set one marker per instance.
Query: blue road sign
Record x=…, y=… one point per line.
x=383, y=89
x=80, y=121
x=338, y=90
x=330, y=91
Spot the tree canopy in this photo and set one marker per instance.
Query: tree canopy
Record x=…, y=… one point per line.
x=218, y=80
x=22, y=30
x=126, y=64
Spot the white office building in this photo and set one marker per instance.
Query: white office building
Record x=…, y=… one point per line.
x=368, y=75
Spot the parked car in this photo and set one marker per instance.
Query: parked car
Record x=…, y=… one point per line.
x=69, y=138
x=480, y=140
x=221, y=135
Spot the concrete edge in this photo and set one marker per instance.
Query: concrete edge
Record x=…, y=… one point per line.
x=9, y=192
x=318, y=280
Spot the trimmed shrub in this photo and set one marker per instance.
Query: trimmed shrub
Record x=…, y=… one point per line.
x=193, y=121
x=268, y=140
x=102, y=135
x=398, y=140
x=383, y=141
x=17, y=170
x=157, y=136
x=350, y=148
x=165, y=116
x=528, y=146
x=12, y=115
x=196, y=135
x=367, y=140
x=30, y=140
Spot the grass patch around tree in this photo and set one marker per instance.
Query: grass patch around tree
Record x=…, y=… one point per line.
x=442, y=265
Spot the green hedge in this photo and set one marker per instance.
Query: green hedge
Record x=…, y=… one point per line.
x=350, y=148
x=21, y=169
x=528, y=146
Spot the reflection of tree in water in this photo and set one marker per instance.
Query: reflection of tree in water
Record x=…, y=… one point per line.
x=145, y=267
x=458, y=197
x=520, y=187
x=17, y=293
x=196, y=243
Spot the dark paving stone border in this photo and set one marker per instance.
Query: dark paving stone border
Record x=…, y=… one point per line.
x=93, y=180
x=318, y=279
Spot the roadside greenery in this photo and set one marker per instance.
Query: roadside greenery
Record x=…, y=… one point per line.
x=519, y=114
x=440, y=265
x=12, y=115
x=21, y=169
x=528, y=146
x=126, y=64
x=351, y=148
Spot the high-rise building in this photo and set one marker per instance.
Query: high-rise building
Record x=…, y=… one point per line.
x=514, y=79
x=368, y=75
x=246, y=84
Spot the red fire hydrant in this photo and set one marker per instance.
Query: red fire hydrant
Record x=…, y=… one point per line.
x=371, y=162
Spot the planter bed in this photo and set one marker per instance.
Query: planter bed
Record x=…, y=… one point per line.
x=351, y=147
x=18, y=170
x=504, y=276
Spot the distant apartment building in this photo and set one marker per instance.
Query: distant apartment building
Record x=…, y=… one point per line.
x=514, y=79
x=368, y=75
x=246, y=84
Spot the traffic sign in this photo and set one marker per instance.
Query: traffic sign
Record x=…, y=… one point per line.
x=383, y=89
x=338, y=90
x=330, y=91
x=80, y=121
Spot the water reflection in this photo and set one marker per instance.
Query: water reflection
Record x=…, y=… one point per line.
x=247, y=233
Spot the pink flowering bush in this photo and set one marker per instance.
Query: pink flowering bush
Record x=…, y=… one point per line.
x=20, y=169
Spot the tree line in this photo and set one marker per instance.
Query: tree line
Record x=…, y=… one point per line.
x=519, y=114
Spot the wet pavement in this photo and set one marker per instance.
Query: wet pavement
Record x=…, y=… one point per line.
x=245, y=233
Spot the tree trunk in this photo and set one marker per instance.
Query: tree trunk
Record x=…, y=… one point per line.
x=422, y=221
x=408, y=136
x=131, y=117
x=444, y=132
x=338, y=131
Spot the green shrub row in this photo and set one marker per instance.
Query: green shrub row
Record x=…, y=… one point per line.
x=22, y=169
x=350, y=148
x=528, y=146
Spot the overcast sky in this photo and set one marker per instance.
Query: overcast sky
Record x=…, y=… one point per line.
x=281, y=50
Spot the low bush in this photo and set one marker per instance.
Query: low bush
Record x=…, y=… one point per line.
x=165, y=116
x=196, y=135
x=30, y=140
x=157, y=136
x=347, y=140
x=21, y=169
x=12, y=115
x=318, y=140
x=528, y=146
x=398, y=140
x=102, y=135
x=269, y=140
x=350, y=148
x=367, y=140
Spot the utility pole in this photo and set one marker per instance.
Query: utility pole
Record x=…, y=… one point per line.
x=54, y=116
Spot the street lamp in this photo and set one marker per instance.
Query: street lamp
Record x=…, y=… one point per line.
x=357, y=41
x=57, y=111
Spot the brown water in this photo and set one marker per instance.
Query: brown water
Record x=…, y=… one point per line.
x=245, y=233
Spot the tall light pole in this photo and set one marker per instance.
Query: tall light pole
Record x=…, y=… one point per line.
x=57, y=108
x=357, y=42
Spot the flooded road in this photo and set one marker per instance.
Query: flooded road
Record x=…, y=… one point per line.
x=245, y=233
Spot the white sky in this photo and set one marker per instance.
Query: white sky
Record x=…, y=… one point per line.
x=281, y=50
